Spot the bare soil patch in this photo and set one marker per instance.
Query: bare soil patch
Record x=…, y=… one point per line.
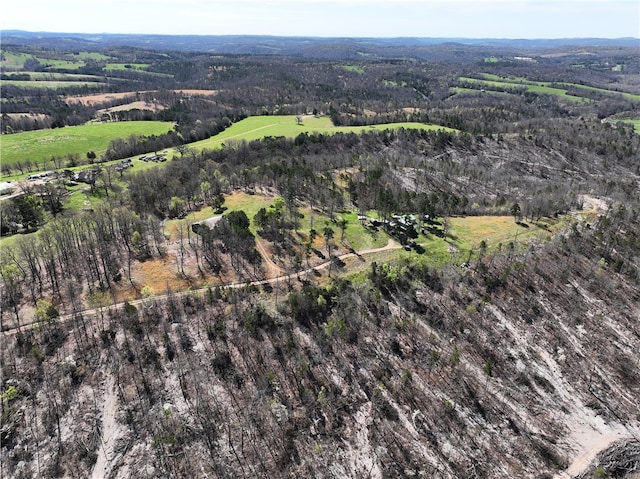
x=33, y=116
x=136, y=105
x=100, y=98
x=88, y=100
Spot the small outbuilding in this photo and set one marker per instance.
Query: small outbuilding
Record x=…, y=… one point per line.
x=209, y=224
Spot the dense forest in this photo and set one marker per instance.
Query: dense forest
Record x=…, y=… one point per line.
x=286, y=340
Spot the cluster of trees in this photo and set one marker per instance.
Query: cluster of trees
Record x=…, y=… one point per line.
x=94, y=250
x=255, y=399
x=281, y=384
x=532, y=150
x=267, y=84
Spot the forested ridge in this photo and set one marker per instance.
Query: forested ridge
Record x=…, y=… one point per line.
x=322, y=304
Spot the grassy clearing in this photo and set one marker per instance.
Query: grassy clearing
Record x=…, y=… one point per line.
x=61, y=64
x=258, y=127
x=628, y=96
x=546, y=87
x=353, y=68
x=159, y=275
x=465, y=233
x=125, y=66
x=99, y=57
x=80, y=197
x=468, y=232
x=52, y=85
x=528, y=86
x=462, y=90
x=463, y=243
x=358, y=237
x=13, y=61
x=635, y=123
x=41, y=145
x=238, y=201
x=55, y=76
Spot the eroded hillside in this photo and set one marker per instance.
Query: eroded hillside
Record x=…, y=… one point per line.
x=522, y=364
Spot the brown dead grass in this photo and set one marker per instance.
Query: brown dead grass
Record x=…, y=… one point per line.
x=33, y=116
x=160, y=275
x=140, y=105
x=88, y=100
x=97, y=99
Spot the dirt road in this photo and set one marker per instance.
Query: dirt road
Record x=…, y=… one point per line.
x=391, y=245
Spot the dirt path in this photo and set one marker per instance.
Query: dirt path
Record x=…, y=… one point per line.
x=272, y=268
x=592, y=447
x=109, y=432
x=589, y=435
x=391, y=245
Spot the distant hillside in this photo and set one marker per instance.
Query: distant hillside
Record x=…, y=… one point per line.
x=304, y=46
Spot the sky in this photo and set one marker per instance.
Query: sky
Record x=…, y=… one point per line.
x=331, y=18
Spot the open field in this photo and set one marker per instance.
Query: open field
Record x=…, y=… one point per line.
x=464, y=237
x=625, y=95
x=135, y=105
x=99, y=98
x=257, y=127
x=41, y=145
x=635, y=123
x=61, y=64
x=55, y=76
x=126, y=66
x=354, y=68
x=530, y=87
x=462, y=90
x=550, y=88
x=52, y=84
x=13, y=61
x=466, y=233
x=97, y=56
x=33, y=116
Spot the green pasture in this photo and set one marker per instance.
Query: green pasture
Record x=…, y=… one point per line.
x=459, y=89
x=468, y=232
x=491, y=76
x=98, y=57
x=464, y=236
x=237, y=201
x=258, y=127
x=635, y=123
x=125, y=66
x=56, y=76
x=353, y=68
x=628, y=96
x=497, y=80
x=528, y=86
x=41, y=145
x=61, y=64
x=13, y=61
x=359, y=237
x=52, y=84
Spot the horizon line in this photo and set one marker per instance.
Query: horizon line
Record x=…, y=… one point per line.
x=328, y=37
